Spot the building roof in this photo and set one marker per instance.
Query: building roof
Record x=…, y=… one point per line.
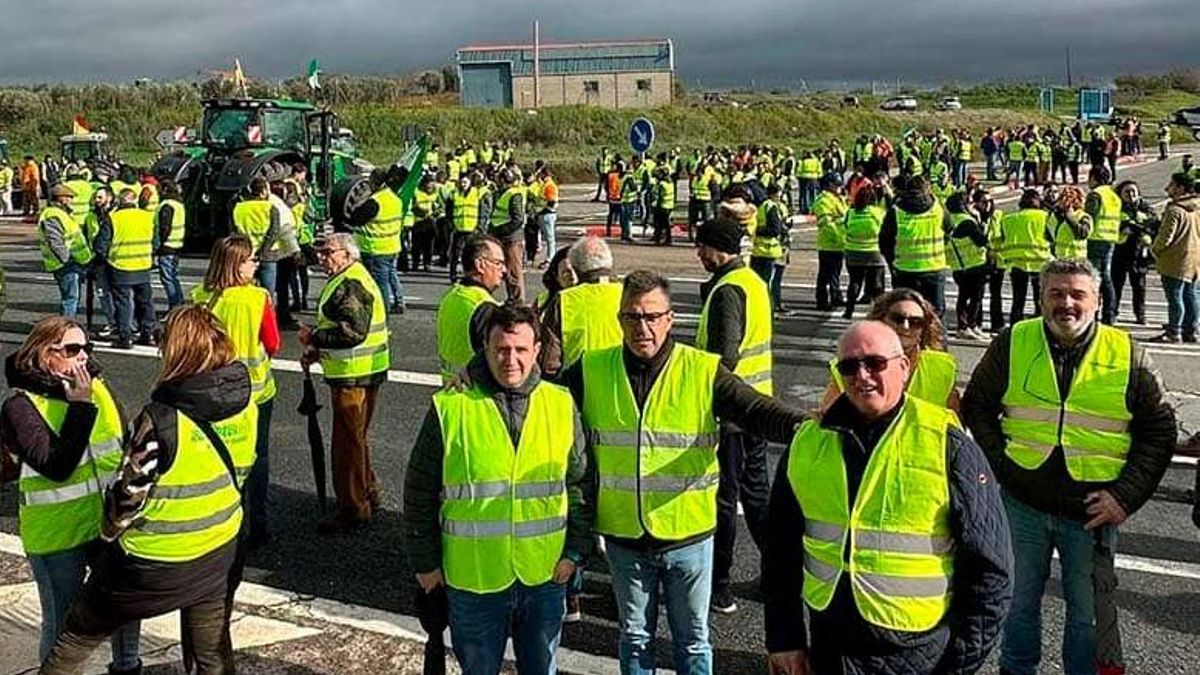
x=577, y=57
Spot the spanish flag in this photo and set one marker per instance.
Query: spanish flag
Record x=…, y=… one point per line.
x=80, y=126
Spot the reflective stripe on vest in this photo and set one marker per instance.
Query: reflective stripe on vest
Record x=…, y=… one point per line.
x=73, y=236
x=369, y=356
x=964, y=253
x=454, y=314
x=589, y=319
x=862, y=229
x=60, y=515
x=1065, y=243
x=132, y=246
x=253, y=218
x=1025, y=246
x=830, y=211
x=178, y=223
x=764, y=246
x=466, y=210
x=381, y=235
x=665, y=196
x=240, y=309
x=81, y=203
x=1107, y=226
x=933, y=377
x=755, y=361
x=895, y=540
x=672, y=438
x=195, y=507
x=1091, y=425
x=920, y=241
x=504, y=509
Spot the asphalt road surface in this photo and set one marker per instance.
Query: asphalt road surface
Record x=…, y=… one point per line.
x=1160, y=578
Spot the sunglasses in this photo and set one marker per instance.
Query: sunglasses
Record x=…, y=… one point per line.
x=906, y=321
x=72, y=350
x=873, y=363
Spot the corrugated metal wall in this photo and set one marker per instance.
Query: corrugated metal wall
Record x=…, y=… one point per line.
x=486, y=84
x=579, y=60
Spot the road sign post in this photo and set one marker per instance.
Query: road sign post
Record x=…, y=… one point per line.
x=641, y=135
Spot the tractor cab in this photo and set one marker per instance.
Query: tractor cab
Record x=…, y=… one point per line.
x=84, y=148
x=239, y=124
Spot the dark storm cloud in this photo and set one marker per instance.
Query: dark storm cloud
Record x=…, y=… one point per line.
x=771, y=42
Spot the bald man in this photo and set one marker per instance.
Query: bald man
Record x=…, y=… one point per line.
x=932, y=558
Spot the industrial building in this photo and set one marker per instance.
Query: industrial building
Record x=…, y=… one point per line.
x=625, y=74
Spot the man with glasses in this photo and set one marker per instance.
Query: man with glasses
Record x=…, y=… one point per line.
x=651, y=408
x=464, y=310
x=351, y=342
x=886, y=522
x=1075, y=423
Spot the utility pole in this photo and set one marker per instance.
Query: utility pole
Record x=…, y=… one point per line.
x=537, y=64
x=1068, y=48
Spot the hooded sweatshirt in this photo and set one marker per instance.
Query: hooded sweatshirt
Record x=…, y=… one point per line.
x=1177, y=246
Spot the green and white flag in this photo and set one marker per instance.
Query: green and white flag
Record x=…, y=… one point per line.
x=314, y=75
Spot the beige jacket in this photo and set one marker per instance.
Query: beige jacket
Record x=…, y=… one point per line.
x=1177, y=246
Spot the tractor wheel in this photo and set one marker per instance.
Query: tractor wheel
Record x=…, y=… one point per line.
x=348, y=194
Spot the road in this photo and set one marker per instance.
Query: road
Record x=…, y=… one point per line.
x=1160, y=583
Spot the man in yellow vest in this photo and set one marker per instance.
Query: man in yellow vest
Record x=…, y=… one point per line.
x=583, y=316
x=496, y=502
x=65, y=250
x=650, y=407
x=913, y=240
x=463, y=212
x=1104, y=206
x=350, y=341
x=990, y=218
x=769, y=243
x=829, y=208
x=1076, y=424
x=736, y=324
x=126, y=241
x=1026, y=247
x=508, y=226
x=170, y=218
x=376, y=224
x=463, y=311
x=967, y=253
x=257, y=218
x=887, y=523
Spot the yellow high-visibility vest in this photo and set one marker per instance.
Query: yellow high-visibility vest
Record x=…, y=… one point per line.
x=132, y=248
x=241, y=309
x=454, y=314
x=589, y=319
x=755, y=361
x=371, y=355
x=920, y=240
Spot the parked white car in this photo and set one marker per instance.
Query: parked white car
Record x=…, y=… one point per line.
x=949, y=103
x=899, y=103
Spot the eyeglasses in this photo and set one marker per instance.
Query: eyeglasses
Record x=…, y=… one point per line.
x=901, y=320
x=873, y=363
x=494, y=261
x=72, y=350
x=650, y=318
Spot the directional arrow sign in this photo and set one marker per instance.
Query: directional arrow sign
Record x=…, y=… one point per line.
x=641, y=135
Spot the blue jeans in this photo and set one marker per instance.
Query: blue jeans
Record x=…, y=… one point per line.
x=1035, y=536
x=547, y=222
x=267, y=271
x=168, y=274
x=383, y=271
x=103, y=295
x=1100, y=254
x=132, y=302
x=68, y=277
x=59, y=578
x=1183, y=308
x=480, y=626
x=991, y=166
x=260, y=472
x=685, y=576
x=772, y=276
x=627, y=219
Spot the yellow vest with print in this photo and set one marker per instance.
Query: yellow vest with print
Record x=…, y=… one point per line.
x=657, y=465
x=1091, y=425
x=895, y=541
x=58, y=516
x=504, y=509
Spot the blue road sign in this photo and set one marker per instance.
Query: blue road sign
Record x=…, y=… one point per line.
x=641, y=135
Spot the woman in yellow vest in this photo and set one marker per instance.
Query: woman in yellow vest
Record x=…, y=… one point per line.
x=174, y=512
x=248, y=315
x=934, y=371
x=64, y=428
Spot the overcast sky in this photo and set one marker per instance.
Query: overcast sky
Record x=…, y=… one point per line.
x=718, y=43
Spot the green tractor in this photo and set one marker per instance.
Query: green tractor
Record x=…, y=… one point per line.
x=236, y=139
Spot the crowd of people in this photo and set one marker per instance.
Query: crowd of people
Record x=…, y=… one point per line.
x=578, y=421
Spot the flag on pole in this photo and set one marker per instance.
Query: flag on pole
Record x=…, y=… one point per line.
x=314, y=75
x=80, y=126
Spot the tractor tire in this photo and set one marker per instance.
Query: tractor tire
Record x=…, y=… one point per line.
x=347, y=195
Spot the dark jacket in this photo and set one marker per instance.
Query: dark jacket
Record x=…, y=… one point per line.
x=842, y=641
x=914, y=202
x=423, y=478
x=550, y=358
x=349, y=306
x=734, y=402
x=26, y=435
x=1049, y=488
x=163, y=220
x=726, y=315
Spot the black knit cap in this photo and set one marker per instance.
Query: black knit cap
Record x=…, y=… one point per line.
x=723, y=234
